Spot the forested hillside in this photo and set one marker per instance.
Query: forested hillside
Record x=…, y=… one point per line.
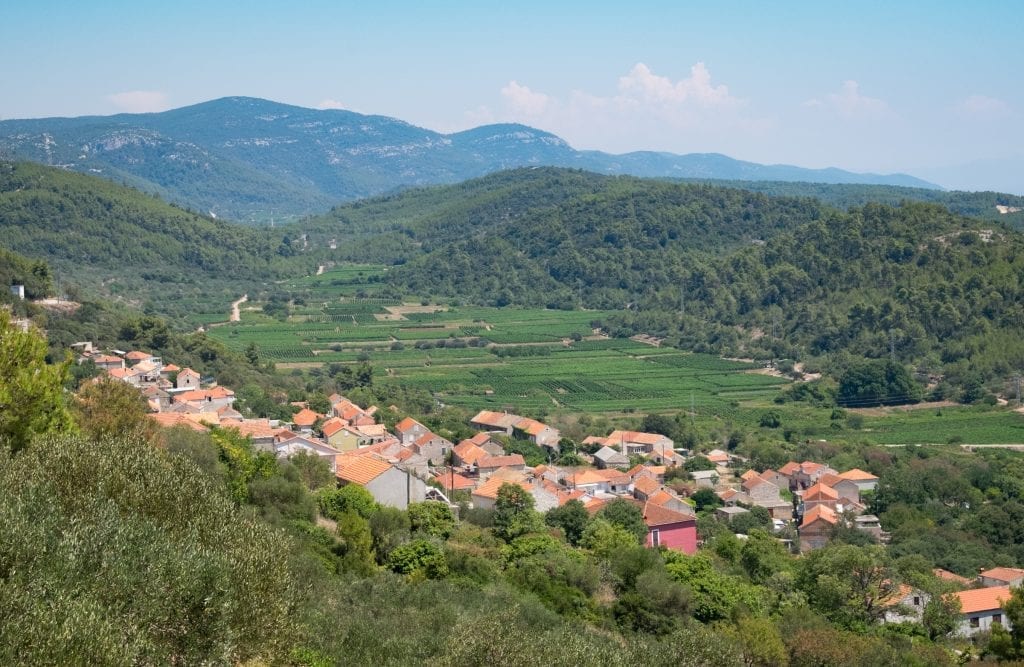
x=120, y=242
x=714, y=269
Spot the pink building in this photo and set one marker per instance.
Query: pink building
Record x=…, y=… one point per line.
x=670, y=529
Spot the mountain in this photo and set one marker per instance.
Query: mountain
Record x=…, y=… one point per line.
x=254, y=160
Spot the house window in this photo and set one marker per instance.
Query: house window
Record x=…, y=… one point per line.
x=997, y=618
x=917, y=601
x=655, y=538
x=975, y=622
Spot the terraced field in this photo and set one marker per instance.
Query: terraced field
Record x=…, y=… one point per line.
x=519, y=359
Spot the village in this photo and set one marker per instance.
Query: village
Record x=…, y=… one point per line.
x=806, y=501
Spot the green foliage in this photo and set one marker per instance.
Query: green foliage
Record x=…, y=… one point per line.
x=31, y=391
x=418, y=558
x=572, y=518
x=357, y=542
x=513, y=513
x=705, y=499
x=131, y=556
x=109, y=408
x=389, y=527
x=348, y=498
x=431, y=519
x=877, y=382
x=715, y=596
x=626, y=515
x=849, y=584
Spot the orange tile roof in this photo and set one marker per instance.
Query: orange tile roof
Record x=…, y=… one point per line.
x=615, y=476
x=256, y=428
x=332, y=426
x=828, y=479
x=1003, y=573
x=946, y=575
x=656, y=515
x=821, y=492
x=858, y=475
x=662, y=498
x=500, y=420
x=305, y=417
x=646, y=485
x=594, y=506
x=753, y=482
x=789, y=468
x=983, y=599
x=171, y=419
x=501, y=461
x=634, y=437
x=170, y=368
x=204, y=394
x=469, y=453
x=727, y=494
x=454, y=481
x=530, y=426
x=587, y=477
x=137, y=355
x=823, y=512
x=749, y=474
x=107, y=359
x=407, y=424
x=489, y=489
x=480, y=438
x=717, y=456
x=360, y=469
x=121, y=373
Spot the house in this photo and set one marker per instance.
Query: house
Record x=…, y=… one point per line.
x=816, y=527
x=155, y=394
x=718, y=457
x=980, y=608
x=654, y=472
x=728, y=513
x=776, y=478
x=494, y=422
x=485, y=442
x=136, y=356
x=665, y=499
x=633, y=443
x=761, y=490
x=292, y=446
x=485, y=496
x=644, y=487
x=488, y=465
x=187, y=379
x=468, y=453
x=808, y=474
x=618, y=481
x=1002, y=576
x=905, y=605
x=606, y=457
x=304, y=419
x=211, y=399
x=706, y=479
x=870, y=524
x=591, y=481
x=670, y=529
x=106, y=362
x=865, y=481
x=453, y=481
x=432, y=447
x=387, y=484
x=536, y=432
x=819, y=494
x=951, y=577
x=409, y=430
x=331, y=429
x=848, y=490
x=125, y=375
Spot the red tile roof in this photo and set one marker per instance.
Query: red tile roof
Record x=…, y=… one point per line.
x=469, y=453
x=983, y=599
x=501, y=461
x=360, y=469
x=946, y=575
x=821, y=492
x=858, y=475
x=454, y=481
x=789, y=469
x=489, y=489
x=656, y=515
x=822, y=512
x=136, y=355
x=332, y=426
x=407, y=424
x=305, y=417
x=646, y=485
x=1006, y=574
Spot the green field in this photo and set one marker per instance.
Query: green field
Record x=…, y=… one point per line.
x=536, y=361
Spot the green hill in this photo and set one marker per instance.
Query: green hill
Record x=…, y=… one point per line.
x=117, y=241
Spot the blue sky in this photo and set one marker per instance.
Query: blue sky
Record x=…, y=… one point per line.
x=929, y=88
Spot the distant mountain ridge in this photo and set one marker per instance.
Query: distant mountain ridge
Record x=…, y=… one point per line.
x=254, y=160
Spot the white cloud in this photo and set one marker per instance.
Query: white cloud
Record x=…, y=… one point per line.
x=983, y=106
x=139, y=101
x=643, y=85
x=331, y=104
x=850, y=103
x=524, y=100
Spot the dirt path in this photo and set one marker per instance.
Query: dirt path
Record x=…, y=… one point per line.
x=236, y=314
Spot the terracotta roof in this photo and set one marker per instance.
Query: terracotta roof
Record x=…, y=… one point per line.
x=821, y=492
x=858, y=475
x=755, y=481
x=717, y=456
x=204, y=394
x=187, y=371
x=983, y=599
x=615, y=476
x=530, y=426
x=107, y=359
x=789, y=469
x=822, y=512
x=594, y=506
x=749, y=475
x=171, y=419
x=489, y=489
x=1006, y=574
x=170, y=368
x=646, y=485
x=426, y=438
x=828, y=479
x=407, y=424
x=332, y=426
x=587, y=477
x=656, y=515
x=727, y=494
x=634, y=437
x=469, y=453
x=256, y=428
x=593, y=440
x=501, y=420
x=501, y=461
x=136, y=355
x=305, y=417
x=946, y=575
x=480, y=438
x=810, y=467
x=360, y=469
x=454, y=481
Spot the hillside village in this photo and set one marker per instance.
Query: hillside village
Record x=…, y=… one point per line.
x=806, y=502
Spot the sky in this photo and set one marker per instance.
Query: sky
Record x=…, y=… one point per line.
x=933, y=89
